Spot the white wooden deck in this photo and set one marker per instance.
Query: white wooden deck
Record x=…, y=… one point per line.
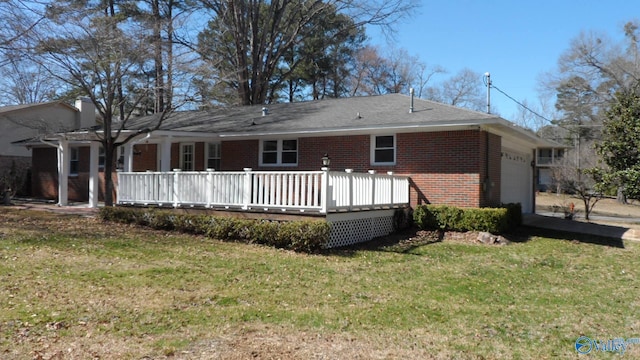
x=304, y=191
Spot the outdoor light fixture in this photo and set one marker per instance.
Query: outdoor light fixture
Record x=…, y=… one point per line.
x=326, y=160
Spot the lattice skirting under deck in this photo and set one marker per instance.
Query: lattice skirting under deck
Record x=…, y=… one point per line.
x=356, y=227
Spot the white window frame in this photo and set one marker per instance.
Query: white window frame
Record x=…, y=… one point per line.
x=374, y=148
x=279, y=152
x=74, y=156
x=183, y=146
x=209, y=155
x=101, y=157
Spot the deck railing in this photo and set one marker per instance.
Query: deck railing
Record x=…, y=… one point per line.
x=319, y=191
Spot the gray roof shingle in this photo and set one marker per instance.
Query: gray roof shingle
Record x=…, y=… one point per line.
x=333, y=114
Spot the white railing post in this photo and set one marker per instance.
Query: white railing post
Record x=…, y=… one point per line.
x=176, y=187
x=324, y=195
x=246, y=189
x=209, y=190
x=393, y=188
x=349, y=189
x=372, y=181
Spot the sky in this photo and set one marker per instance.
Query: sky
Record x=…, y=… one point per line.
x=516, y=41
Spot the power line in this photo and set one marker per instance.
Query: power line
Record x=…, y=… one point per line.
x=521, y=104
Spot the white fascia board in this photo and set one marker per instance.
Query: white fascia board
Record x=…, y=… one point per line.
x=505, y=128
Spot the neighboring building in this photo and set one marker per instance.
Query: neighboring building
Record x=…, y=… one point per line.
x=31, y=121
x=546, y=160
x=452, y=155
x=24, y=129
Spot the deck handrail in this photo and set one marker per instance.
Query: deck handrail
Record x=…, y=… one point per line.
x=315, y=191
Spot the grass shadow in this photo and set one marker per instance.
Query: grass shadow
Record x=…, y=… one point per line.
x=400, y=242
x=525, y=233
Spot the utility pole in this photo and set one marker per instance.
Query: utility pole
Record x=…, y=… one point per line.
x=487, y=76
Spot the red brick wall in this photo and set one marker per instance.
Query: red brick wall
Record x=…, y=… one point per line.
x=44, y=173
x=445, y=167
x=449, y=167
x=44, y=176
x=145, y=157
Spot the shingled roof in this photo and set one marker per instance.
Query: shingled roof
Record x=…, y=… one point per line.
x=332, y=114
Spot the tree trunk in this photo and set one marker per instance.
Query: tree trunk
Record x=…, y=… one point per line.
x=621, y=197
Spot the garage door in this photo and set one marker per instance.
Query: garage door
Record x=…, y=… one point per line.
x=516, y=182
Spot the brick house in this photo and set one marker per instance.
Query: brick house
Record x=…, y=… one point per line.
x=33, y=121
x=451, y=155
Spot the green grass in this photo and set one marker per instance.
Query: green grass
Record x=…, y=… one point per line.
x=75, y=286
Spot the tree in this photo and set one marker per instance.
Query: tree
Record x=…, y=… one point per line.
x=463, y=90
x=94, y=47
x=260, y=34
x=391, y=73
x=26, y=82
x=577, y=173
x=322, y=61
x=620, y=145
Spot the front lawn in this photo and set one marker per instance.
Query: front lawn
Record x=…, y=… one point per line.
x=76, y=288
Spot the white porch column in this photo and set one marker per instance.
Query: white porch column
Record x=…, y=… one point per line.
x=128, y=157
x=63, y=172
x=165, y=154
x=94, y=187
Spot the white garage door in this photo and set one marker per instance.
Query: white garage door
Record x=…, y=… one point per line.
x=516, y=182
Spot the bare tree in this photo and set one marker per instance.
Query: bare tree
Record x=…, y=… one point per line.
x=464, y=90
x=577, y=173
x=97, y=51
x=26, y=82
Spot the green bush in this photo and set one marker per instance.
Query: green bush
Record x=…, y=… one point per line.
x=451, y=218
x=490, y=220
x=304, y=235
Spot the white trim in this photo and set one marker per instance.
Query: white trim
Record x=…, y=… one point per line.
x=207, y=155
x=193, y=155
x=279, y=151
x=374, y=148
x=74, y=149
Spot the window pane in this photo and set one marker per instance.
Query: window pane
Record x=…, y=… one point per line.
x=289, y=145
x=187, y=157
x=74, y=160
x=214, y=150
x=290, y=157
x=213, y=164
x=384, y=141
x=384, y=156
x=269, y=158
x=270, y=145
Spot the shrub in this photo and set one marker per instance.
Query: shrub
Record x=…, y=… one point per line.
x=494, y=220
x=490, y=220
x=305, y=235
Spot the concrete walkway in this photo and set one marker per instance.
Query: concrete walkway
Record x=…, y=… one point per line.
x=606, y=228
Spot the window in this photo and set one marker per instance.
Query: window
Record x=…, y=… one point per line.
x=101, y=158
x=187, y=154
x=279, y=152
x=383, y=150
x=213, y=156
x=74, y=160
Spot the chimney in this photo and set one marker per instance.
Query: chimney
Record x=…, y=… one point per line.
x=87, y=116
x=411, y=92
